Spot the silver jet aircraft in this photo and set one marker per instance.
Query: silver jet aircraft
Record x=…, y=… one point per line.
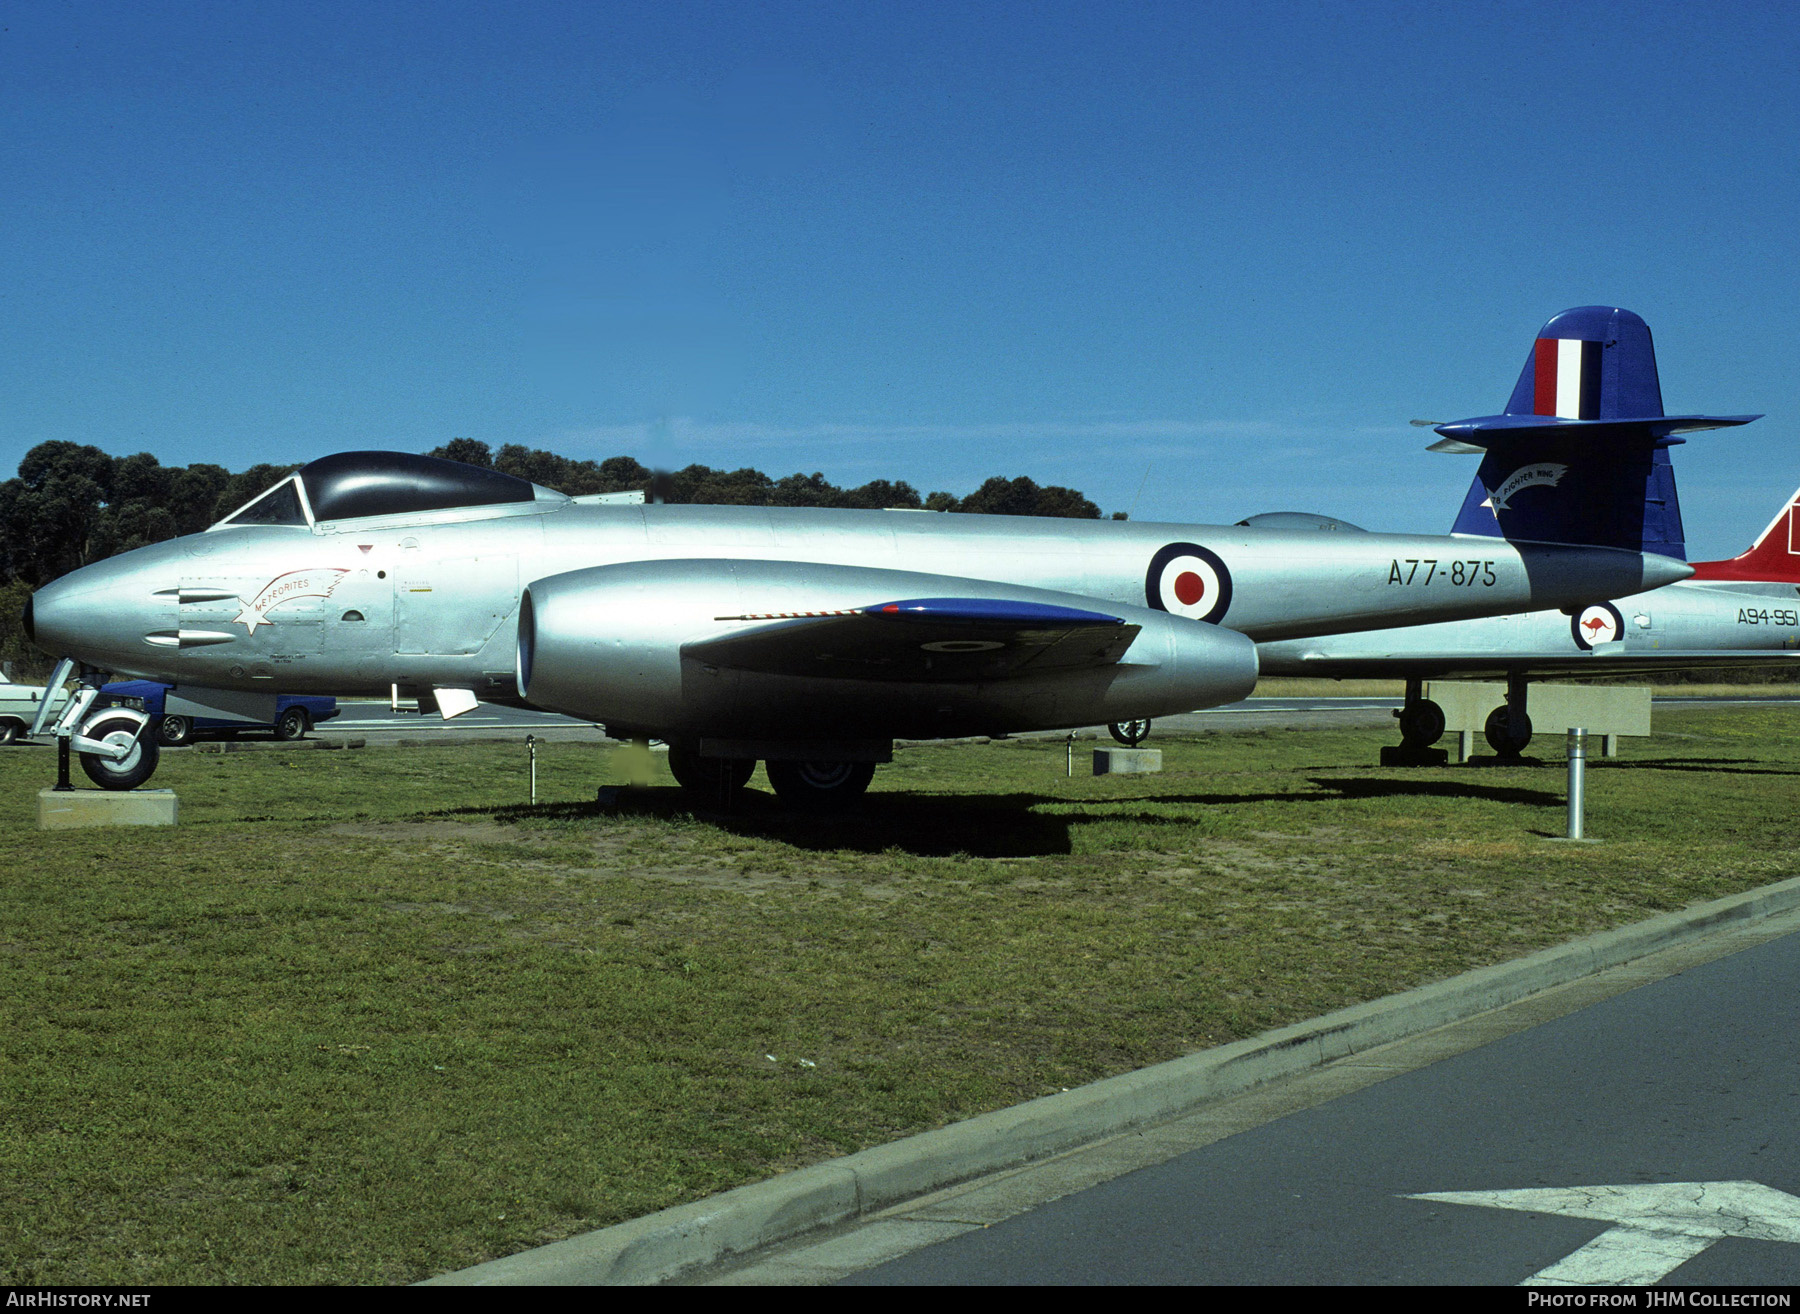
x=807, y=639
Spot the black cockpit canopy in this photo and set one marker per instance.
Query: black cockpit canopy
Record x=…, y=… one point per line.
x=351, y=485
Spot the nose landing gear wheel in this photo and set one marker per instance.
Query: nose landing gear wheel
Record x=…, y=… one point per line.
x=129, y=771
x=820, y=786
x=1130, y=733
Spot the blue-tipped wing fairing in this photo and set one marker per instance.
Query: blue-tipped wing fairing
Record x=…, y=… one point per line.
x=941, y=639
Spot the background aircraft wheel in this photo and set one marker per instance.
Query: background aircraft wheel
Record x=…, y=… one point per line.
x=714, y=779
x=1421, y=723
x=1500, y=734
x=9, y=731
x=292, y=724
x=127, y=772
x=174, y=731
x=1130, y=733
x=820, y=786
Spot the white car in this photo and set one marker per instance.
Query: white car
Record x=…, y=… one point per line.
x=19, y=708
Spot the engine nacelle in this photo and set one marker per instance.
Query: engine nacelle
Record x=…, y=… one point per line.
x=605, y=644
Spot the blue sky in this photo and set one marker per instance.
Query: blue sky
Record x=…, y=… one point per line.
x=1216, y=253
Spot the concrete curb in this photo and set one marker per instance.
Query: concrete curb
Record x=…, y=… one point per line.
x=661, y=1245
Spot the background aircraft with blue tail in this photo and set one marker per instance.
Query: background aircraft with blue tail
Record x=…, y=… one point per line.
x=1741, y=612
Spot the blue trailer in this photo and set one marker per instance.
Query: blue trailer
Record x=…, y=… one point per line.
x=295, y=714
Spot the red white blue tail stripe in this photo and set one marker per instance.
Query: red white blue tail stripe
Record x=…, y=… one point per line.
x=1566, y=379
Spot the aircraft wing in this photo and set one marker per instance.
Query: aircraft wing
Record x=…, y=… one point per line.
x=951, y=640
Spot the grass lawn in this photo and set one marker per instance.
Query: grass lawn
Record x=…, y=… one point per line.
x=367, y=1016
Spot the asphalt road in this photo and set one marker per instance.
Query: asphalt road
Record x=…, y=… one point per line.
x=1691, y=1080
x=379, y=718
x=364, y=718
x=356, y=718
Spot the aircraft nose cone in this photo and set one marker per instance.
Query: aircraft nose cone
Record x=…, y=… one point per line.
x=98, y=614
x=46, y=616
x=64, y=617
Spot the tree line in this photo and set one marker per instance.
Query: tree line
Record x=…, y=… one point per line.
x=703, y=485
x=72, y=504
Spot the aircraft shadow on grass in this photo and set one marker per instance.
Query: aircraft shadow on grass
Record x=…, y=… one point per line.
x=975, y=825
x=1725, y=766
x=1360, y=787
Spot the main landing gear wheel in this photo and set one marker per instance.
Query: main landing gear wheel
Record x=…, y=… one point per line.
x=129, y=771
x=292, y=725
x=1501, y=734
x=712, y=779
x=174, y=731
x=820, y=786
x=1421, y=724
x=1130, y=733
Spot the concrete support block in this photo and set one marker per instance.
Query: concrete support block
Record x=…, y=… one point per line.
x=67, y=809
x=1127, y=761
x=1609, y=710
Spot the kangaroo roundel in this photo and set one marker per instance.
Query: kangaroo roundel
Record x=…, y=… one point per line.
x=1186, y=579
x=1595, y=625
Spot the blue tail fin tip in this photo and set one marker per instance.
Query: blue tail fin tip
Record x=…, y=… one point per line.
x=1590, y=363
x=1580, y=454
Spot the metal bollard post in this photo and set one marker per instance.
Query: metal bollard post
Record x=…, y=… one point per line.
x=1071, y=754
x=531, y=744
x=63, y=784
x=1577, y=779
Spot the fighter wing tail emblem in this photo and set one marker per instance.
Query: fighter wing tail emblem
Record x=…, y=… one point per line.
x=1546, y=474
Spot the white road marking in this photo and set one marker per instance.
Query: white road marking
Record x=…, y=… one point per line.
x=463, y=723
x=1660, y=1226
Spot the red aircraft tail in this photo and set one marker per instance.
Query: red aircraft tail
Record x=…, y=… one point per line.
x=1775, y=559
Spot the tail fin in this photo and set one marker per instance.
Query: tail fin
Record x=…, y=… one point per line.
x=1773, y=559
x=1662, y=530
x=1580, y=455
